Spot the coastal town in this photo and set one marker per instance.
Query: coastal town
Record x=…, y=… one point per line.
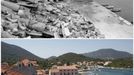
x=31, y=67
x=17, y=60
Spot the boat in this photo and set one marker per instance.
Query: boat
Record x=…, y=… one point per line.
x=104, y=5
x=109, y=7
x=116, y=10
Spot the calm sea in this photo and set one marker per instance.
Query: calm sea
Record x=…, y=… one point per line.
x=125, y=5
x=109, y=72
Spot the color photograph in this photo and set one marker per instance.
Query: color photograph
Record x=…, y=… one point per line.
x=66, y=57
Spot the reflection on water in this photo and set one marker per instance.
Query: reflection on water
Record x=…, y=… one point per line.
x=125, y=5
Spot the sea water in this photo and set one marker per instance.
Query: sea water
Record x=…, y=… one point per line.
x=125, y=5
x=109, y=72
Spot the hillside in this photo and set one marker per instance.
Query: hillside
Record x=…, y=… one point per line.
x=13, y=53
x=67, y=58
x=124, y=62
x=108, y=54
x=72, y=57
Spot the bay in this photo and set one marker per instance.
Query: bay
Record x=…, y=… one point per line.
x=109, y=72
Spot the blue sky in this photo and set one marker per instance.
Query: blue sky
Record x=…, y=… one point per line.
x=47, y=48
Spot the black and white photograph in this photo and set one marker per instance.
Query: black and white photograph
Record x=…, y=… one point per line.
x=93, y=19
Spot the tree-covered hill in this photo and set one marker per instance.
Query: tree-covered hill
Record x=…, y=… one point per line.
x=108, y=54
x=12, y=53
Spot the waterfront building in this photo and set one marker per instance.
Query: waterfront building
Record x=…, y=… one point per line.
x=107, y=63
x=63, y=70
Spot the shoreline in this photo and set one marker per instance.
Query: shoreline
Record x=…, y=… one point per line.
x=105, y=69
x=109, y=68
x=118, y=68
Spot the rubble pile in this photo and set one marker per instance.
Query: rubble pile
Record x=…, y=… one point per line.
x=43, y=19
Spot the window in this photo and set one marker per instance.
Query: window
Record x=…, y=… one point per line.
x=19, y=65
x=29, y=65
x=2, y=73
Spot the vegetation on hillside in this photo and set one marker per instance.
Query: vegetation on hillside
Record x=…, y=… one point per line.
x=122, y=63
x=12, y=54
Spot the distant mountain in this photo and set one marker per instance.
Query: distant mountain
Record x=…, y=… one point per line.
x=71, y=58
x=14, y=53
x=107, y=54
x=51, y=58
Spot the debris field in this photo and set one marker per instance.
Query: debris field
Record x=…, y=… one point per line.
x=44, y=19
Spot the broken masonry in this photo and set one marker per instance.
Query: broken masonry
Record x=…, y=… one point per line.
x=44, y=19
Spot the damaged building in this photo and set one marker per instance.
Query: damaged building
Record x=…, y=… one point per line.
x=40, y=19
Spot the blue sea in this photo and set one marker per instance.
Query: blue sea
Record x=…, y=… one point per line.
x=109, y=72
x=125, y=5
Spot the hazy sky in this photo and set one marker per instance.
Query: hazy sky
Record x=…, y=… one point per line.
x=47, y=48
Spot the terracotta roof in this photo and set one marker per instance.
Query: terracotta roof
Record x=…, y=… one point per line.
x=54, y=70
x=12, y=72
x=58, y=68
x=66, y=67
x=4, y=68
x=40, y=71
x=25, y=61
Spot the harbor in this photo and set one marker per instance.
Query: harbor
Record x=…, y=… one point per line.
x=108, y=72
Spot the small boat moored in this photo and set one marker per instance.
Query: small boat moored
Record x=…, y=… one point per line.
x=116, y=10
x=109, y=7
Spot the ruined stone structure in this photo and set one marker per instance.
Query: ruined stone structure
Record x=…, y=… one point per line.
x=50, y=19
